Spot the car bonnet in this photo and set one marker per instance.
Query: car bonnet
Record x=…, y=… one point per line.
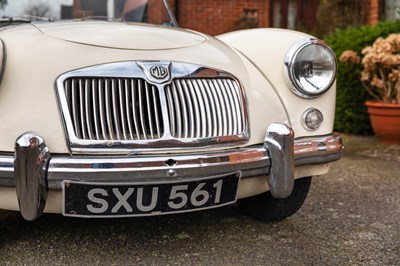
x=119, y=35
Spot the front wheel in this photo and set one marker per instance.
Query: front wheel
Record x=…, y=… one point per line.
x=264, y=207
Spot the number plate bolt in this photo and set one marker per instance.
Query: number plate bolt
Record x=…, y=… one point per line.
x=171, y=172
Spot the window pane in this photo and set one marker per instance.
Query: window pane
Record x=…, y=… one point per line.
x=392, y=9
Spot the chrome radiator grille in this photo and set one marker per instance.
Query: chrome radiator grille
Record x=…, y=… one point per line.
x=204, y=108
x=114, y=109
x=140, y=105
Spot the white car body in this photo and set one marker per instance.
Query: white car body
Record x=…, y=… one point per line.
x=37, y=55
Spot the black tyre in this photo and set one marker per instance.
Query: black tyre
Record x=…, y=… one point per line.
x=264, y=207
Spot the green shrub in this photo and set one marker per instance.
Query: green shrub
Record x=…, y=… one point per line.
x=351, y=114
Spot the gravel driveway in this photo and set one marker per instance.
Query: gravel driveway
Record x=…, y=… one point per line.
x=351, y=217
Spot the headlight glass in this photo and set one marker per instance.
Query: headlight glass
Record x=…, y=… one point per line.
x=310, y=68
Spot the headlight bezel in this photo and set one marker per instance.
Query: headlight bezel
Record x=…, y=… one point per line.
x=290, y=69
x=3, y=59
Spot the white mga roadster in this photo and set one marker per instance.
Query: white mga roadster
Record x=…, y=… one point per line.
x=104, y=117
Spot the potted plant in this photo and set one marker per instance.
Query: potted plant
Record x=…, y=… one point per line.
x=380, y=76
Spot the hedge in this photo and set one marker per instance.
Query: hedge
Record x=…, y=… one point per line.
x=351, y=114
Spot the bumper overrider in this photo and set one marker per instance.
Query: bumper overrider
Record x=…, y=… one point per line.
x=33, y=170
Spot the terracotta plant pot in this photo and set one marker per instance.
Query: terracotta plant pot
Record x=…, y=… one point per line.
x=385, y=121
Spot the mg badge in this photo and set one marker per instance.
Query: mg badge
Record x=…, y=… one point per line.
x=159, y=72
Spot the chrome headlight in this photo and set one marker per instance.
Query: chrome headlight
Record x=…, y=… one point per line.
x=310, y=68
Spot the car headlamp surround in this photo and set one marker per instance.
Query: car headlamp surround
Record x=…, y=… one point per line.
x=3, y=59
x=310, y=68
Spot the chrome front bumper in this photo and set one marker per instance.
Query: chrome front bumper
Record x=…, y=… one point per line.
x=34, y=171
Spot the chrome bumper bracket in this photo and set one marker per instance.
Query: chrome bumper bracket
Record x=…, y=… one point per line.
x=31, y=160
x=279, y=142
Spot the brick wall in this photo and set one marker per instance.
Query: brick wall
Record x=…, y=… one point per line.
x=218, y=16
x=373, y=14
x=155, y=12
x=307, y=14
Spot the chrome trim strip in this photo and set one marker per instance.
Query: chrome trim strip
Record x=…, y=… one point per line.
x=7, y=169
x=154, y=169
x=251, y=161
x=3, y=59
x=318, y=149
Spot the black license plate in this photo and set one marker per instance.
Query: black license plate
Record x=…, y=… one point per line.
x=102, y=200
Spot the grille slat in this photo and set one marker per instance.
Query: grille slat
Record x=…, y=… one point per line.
x=89, y=104
x=134, y=89
x=128, y=98
x=129, y=109
x=75, y=109
x=103, y=119
x=141, y=111
x=115, y=121
x=96, y=122
x=155, y=111
x=149, y=115
x=122, y=105
x=109, y=116
x=82, y=107
x=176, y=106
x=171, y=110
